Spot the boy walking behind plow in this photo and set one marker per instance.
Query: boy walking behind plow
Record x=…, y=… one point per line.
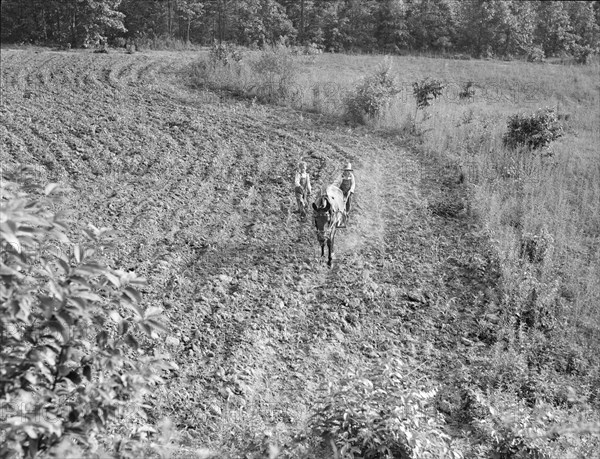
x=302, y=189
x=346, y=183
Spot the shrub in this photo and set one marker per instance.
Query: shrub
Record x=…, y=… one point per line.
x=536, y=54
x=373, y=94
x=426, y=91
x=468, y=92
x=533, y=131
x=224, y=54
x=70, y=331
x=309, y=49
x=376, y=416
x=162, y=42
x=275, y=74
x=535, y=247
x=269, y=77
x=583, y=53
x=512, y=440
x=118, y=42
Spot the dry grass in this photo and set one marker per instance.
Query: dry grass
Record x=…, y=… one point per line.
x=516, y=196
x=200, y=187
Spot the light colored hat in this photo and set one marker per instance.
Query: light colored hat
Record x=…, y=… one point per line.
x=348, y=167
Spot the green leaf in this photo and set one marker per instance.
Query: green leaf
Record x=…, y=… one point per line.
x=90, y=296
x=112, y=279
x=152, y=311
x=140, y=281
x=59, y=327
x=123, y=327
x=157, y=325
x=90, y=268
x=132, y=306
x=9, y=236
x=80, y=281
x=74, y=377
x=79, y=253
x=64, y=266
x=131, y=341
x=133, y=294
x=50, y=188
x=80, y=303
x=102, y=338
x=56, y=290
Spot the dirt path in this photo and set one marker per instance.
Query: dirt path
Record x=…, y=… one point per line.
x=201, y=191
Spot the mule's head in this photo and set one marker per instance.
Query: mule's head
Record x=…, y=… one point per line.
x=322, y=217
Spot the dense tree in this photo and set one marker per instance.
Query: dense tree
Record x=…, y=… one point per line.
x=479, y=27
x=483, y=25
x=263, y=22
x=349, y=25
x=78, y=22
x=584, y=28
x=431, y=24
x=143, y=18
x=189, y=11
x=553, y=31
x=518, y=28
x=391, y=30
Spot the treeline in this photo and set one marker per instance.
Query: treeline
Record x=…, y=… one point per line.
x=482, y=28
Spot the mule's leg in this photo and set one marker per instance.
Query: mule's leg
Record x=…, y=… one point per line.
x=322, y=249
x=330, y=245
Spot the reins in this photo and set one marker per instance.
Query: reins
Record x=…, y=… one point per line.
x=331, y=223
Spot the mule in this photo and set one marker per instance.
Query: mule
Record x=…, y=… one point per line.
x=329, y=210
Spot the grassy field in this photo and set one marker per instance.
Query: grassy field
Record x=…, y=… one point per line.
x=516, y=196
x=428, y=287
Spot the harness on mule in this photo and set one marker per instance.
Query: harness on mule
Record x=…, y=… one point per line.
x=346, y=185
x=328, y=212
x=331, y=202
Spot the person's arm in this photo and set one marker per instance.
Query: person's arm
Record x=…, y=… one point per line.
x=353, y=184
x=338, y=181
x=308, y=187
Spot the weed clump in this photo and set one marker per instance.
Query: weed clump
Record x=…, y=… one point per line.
x=275, y=72
x=269, y=77
x=536, y=54
x=374, y=415
x=535, y=247
x=426, y=91
x=534, y=131
x=468, y=91
x=224, y=54
x=373, y=94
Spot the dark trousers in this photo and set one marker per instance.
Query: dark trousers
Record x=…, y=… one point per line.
x=348, y=201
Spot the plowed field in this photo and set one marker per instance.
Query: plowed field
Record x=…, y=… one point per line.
x=201, y=190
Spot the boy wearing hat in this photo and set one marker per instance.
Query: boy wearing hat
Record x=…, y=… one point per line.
x=346, y=183
x=302, y=188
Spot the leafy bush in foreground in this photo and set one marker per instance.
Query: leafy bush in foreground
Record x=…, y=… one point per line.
x=70, y=331
x=376, y=416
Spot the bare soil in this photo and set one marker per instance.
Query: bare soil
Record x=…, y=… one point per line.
x=200, y=189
